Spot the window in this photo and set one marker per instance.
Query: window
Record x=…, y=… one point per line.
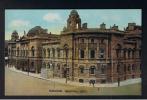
x=92, y=40
x=124, y=67
x=53, y=51
x=92, y=70
x=128, y=53
x=129, y=67
x=81, y=80
x=133, y=67
x=48, y=53
x=118, y=68
x=118, y=50
x=49, y=65
x=82, y=40
x=102, y=69
x=101, y=53
x=32, y=64
x=9, y=51
x=133, y=53
x=81, y=53
x=33, y=51
x=102, y=41
x=81, y=69
x=44, y=52
x=92, y=53
x=77, y=26
x=124, y=53
x=58, y=50
x=58, y=66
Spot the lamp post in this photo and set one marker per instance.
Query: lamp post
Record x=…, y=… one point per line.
x=118, y=65
x=28, y=66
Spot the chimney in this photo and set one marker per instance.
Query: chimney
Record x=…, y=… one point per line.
x=103, y=26
x=131, y=26
x=114, y=27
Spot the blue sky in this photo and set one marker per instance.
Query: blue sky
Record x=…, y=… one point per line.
x=55, y=20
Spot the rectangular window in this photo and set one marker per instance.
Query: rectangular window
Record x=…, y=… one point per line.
x=92, y=53
x=81, y=53
x=92, y=70
x=58, y=53
x=81, y=70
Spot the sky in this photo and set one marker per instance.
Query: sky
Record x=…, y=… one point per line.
x=54, y=20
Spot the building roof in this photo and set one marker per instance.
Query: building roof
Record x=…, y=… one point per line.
x=93, y=30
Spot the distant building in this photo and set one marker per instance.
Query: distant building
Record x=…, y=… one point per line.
x=80, y=53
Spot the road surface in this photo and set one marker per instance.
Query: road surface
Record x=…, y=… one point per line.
x=17, y=84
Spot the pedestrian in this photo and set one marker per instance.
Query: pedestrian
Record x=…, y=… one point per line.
x=93, y=82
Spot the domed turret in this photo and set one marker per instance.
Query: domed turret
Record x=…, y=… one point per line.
x=37, y=30
x=74, y=21
x=14, y=35
x=74, y=12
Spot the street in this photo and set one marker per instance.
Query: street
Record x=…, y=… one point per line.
x=20, y=84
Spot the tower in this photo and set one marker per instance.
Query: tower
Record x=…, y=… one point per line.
x=14, y=35
x=74, y=21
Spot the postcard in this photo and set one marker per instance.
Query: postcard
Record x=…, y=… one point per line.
x=73, y=52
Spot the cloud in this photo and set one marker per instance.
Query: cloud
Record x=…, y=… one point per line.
x=19, y=23
x=51, y=17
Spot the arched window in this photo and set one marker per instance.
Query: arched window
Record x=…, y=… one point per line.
x=82, y=40
x=58, y=51
x=133, y=53
x=129, y=54
x=118, y=50
x=81, y=53
x=53, y=51
x=101, y=52
x=124, y=67
x=48, y=65
x=58, y=66
x=103, y=69
x=44, y=52
x=32, y=64
x=129, y=67
x=124, y=53
x=81, y=69
x=48, y=53
x=92, y=40
x=92, y=53
x=118, y=68
x=133, y=67
x=33, y=51
x=92, y=70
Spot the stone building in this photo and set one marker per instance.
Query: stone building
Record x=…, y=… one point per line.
x=103, y=55
x=80, y=53
x=25, y=53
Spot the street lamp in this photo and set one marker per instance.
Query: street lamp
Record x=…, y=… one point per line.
x=118, y=64
x=52, y=68
x=28, y=66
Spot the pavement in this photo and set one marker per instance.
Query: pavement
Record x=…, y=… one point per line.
x=63, y=80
